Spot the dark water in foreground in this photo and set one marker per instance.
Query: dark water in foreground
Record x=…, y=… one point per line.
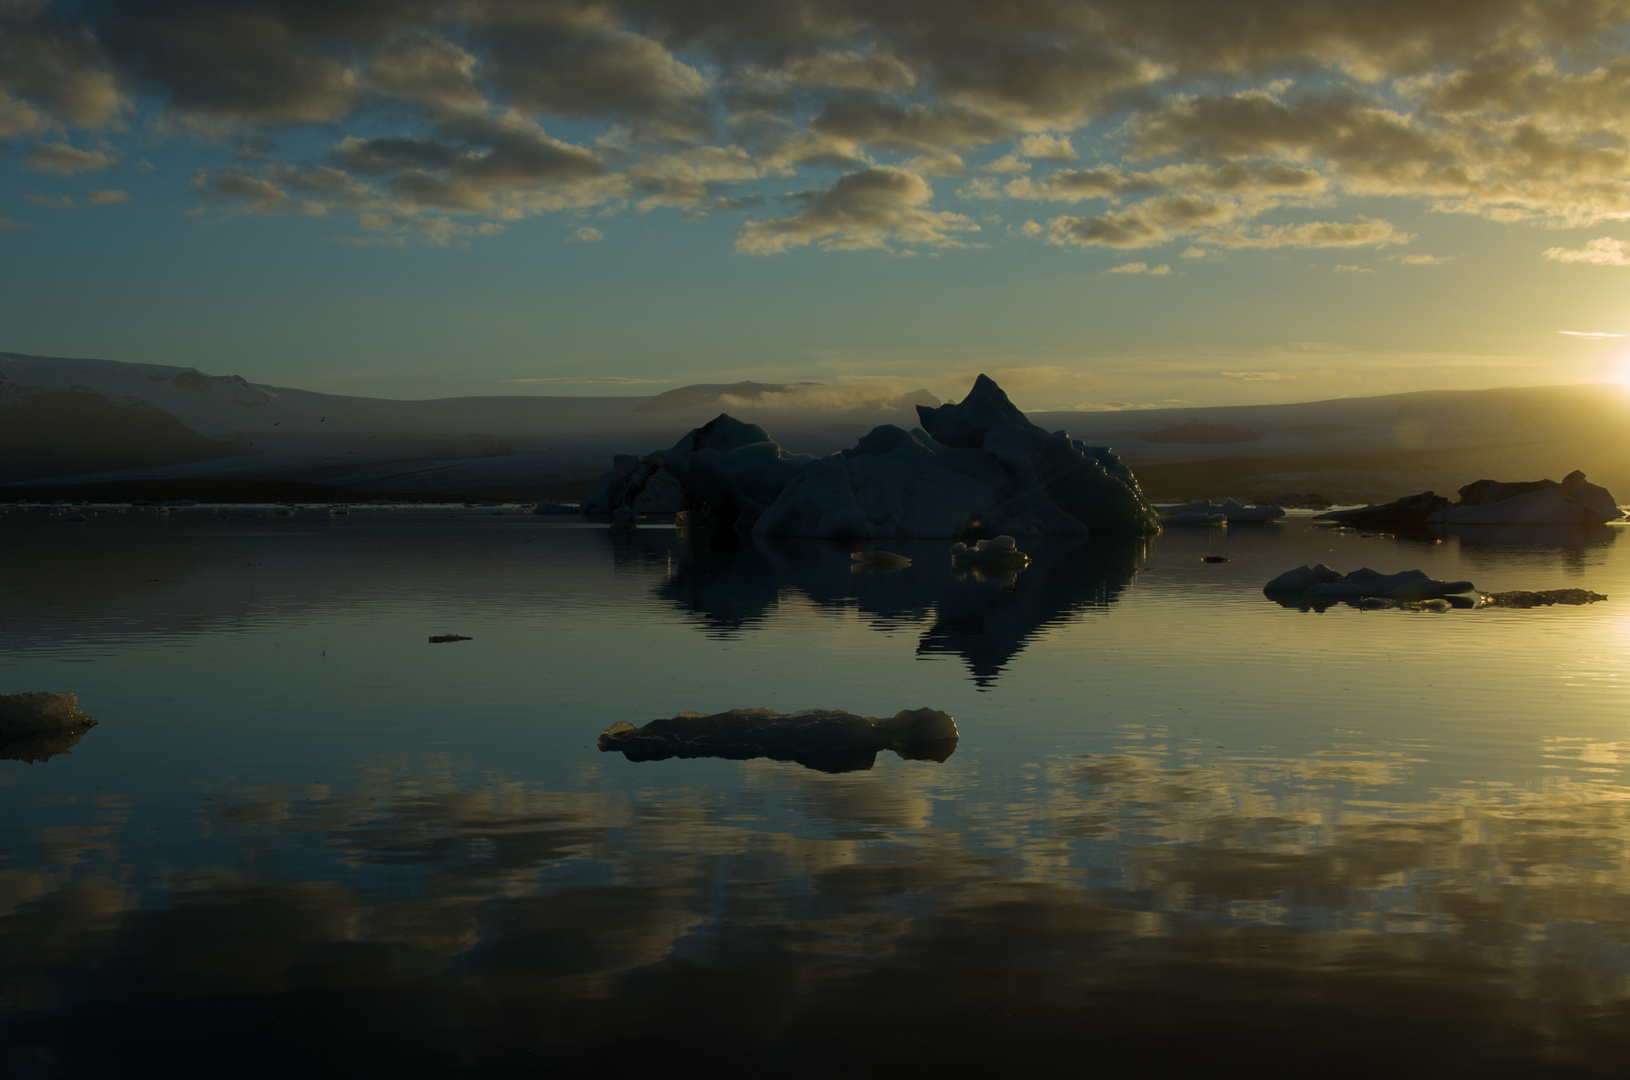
x=1184, y=826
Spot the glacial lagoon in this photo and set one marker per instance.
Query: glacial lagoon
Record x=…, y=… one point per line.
x=1183, y=825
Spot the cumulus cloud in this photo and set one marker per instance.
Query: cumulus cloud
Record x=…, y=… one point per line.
x=1141, y=268
x=450, y=111
x=111, y=197
x=1047, y=147
x=868, y=209
x=872, y=70
x=51, y=202
x=8, y=223
x=19, y=118
x=587, y=234
x=1604, y=251
x=599, y=73
x=428, y=69
x=1360, y=232
x=1146, y=224
x=65, y=160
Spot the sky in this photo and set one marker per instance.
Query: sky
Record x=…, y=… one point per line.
x=1104, y=204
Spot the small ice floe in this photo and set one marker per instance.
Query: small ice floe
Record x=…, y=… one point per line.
x=1218, y=512
x=1544, y=598
x=438, y=639
x=1321, y=583
x=999, y=551
x=876, y=562
x=33, y=727
x=829, y=740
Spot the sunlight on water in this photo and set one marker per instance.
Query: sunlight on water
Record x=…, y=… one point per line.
x=1174, y=801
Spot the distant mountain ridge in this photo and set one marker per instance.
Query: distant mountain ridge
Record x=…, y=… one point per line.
x=178, y=424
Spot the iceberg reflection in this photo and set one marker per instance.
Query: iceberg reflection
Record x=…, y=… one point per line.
x=730, y=584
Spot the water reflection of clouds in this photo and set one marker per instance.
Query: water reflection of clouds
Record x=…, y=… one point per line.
x=445, y=923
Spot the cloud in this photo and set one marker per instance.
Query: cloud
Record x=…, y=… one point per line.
x=1140, y=268
x=19, y=118
x=53, y=71
x=1604, y=251
x=52, y=202
x=941, y=164
x=1070, y=185
x=1349, y=268
x=249, y=63
x=1007, y=163
x=1047, y=147
x=8, y=223
x=428, y=69
x=1145, y=224
x=1421, y=259
x=111, y=197
x=65, y=160
x=1360, y=232
x=868, y=119
x=1258, y=376
x=1591, y=334
x=499, y=110
x=874, y=71
x=588, y=234
x=601, y=72
x=868, y=209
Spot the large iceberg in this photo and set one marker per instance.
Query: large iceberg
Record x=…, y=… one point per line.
x=972, y=470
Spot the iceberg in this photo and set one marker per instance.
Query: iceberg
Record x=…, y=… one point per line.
x=829, y=740
x=1540, y=502
x=1574, y=501
x=971, y=470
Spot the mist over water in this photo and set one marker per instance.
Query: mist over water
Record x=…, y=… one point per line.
x=1182, y=824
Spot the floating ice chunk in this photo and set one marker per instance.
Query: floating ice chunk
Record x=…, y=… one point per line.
x=826, y=739
x=1301, y=579
x=1543, y=598
x=1322, y=583
x=1000, y=551
x=33, y=727
x=878, y=561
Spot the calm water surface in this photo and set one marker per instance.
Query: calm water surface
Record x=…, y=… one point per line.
x=1184, y=825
